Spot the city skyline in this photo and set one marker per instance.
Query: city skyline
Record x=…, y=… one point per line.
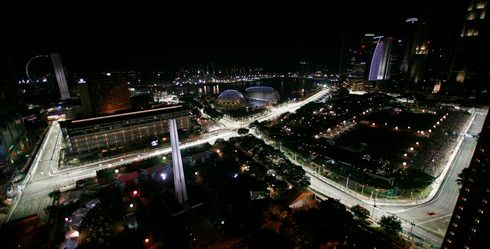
x=347, y=124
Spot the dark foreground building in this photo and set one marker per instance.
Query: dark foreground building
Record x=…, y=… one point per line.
x=470, y=222
x=13, y=141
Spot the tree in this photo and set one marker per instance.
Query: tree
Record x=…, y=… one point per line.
x=268, y=238
x=295, y=175
x=391, y=224
x=212, y=112
x=311, y=228
x=342, y=92
x=242, y=131
x=360, y=212
x=54, y=194
x=464, y=176
x=254, y=124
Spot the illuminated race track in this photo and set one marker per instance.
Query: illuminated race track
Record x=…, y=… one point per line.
x=424, y=229
x=44, y=176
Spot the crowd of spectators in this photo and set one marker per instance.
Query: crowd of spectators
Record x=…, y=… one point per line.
x=433, y=155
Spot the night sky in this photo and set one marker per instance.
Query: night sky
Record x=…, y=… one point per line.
x=109, y=35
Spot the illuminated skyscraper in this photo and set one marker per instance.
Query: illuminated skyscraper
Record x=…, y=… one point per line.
x=380, y=62
x=470, y=57
x=416, y=49
x=470, y=221
x=104, y=94
x=475, y=17
x=59, y=72
x=360, y=56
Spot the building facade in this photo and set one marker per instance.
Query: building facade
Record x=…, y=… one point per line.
x=470, y=63
x=59, y=72
x=380, y=63
x=120, y=131
x=416, y=49
x=13, y=140
x=470, y=221
x=104, y=94
x=258, y=96
x=230, y=98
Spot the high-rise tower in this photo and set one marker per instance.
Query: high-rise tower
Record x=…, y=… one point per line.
x=416, y=49
x=470, y=62
x=104, y=94
x=380, y=62
x=60, y=76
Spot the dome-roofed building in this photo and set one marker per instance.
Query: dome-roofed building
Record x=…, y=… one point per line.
x=231, y=98
x=261, y=95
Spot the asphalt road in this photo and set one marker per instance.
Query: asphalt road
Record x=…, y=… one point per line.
x=44, y=177
x=432, y=228
x=47, y=178
x=427, y=230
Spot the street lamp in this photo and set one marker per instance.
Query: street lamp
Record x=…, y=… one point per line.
x=374, y=201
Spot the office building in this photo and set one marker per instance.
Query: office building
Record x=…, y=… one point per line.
x=124, y=131
x=470, y=63
x=13, y=141
x=359, y=56
x=104, y=94
x=475, y=18
x=416, y=49
x=380, y=68
x=470, y=221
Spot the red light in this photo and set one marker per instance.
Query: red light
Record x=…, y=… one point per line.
x=135, y=192
x=363, y=46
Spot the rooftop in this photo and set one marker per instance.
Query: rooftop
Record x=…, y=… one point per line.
x=178, y=110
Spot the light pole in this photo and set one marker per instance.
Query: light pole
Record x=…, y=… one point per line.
x=410, y=235
x=374, y=200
